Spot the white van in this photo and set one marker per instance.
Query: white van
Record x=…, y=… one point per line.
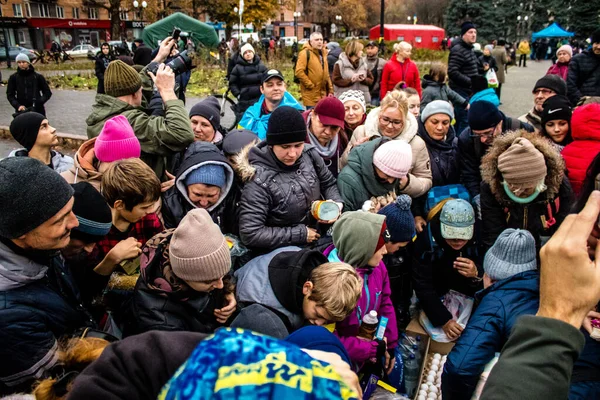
x=246, y=36
x=289, y=40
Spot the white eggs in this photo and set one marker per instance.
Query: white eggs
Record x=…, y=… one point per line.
x=433, y=389
x=430, y=379
x=421, y=398
x=435, y=368
x=437, y=356
x=424, y=387
x=423, y=392
x=435, y=361
x=432, y=396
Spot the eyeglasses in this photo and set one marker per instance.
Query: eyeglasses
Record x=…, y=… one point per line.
x=385, y=121
x=543, y=91
x=487, y=135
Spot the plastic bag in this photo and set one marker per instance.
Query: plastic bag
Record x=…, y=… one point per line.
x=459, y=305
x=484, y=375
x=492, y=78
x=382, y=394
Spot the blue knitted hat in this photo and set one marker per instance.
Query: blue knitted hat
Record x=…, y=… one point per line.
x=208, y=174
x=512, y=253
x=399, y=219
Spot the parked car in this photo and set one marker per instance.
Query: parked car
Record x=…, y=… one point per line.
x=13, y=51
x=302, y=41
x=82, y=50
x=289, y=40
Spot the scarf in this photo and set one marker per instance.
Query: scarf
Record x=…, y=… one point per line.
x=328, y=151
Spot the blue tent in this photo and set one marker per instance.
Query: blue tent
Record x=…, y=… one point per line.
x=553, y=30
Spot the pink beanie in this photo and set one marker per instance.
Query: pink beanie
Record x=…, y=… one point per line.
x=393, y=158
x=117, y=141
x=567, y=48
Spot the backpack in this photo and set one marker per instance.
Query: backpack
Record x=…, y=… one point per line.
x=296, y=80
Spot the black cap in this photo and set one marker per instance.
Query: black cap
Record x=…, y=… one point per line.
x=272, y=73
x=372, y=43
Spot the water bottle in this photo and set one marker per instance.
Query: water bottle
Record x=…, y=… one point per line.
x=417, y=352
x=411, y=375
x=368, y=325
x=413, y=309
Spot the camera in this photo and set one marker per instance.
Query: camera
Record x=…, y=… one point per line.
x=180, y=63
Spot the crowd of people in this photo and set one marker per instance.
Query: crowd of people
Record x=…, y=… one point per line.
x=172, y=258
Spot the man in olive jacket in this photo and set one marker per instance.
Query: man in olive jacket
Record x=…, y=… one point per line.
x=312, y=71
x=160, y=137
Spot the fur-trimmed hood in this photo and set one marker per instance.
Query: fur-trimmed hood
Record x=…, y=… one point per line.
x=242, y=167
x=409, y=131
x=554, y=163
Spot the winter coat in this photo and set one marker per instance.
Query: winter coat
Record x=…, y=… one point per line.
x=560, y=69
x=332, y=161
x=543, y=216
x=28, y=88
x=471, y=151
x=534, y=119
x=499, y=54
x=59, y=162
x=420, y=170
x=375, y=65
x=580, y=153
x=357, y=181
x=163, y=302
x=583, y=78
x=395, y=72
x=333, y=55
x=342, y=77
x=314, y=77
x=39, y=303
x=135, y=368
x=462, y=66
x=142, y=55
x=524, y=48
x=376, y=295
x=488, y=94
x=83, y=168
x=489, y=327
x=489, y=60
x=256, y=121
x=160, y=137
x=102, y=61
x=434, y=274
x=433, y=90
x=245, y=80
x=276, y=199
x=176, y=202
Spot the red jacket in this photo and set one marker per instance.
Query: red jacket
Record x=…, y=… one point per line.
x=579, y=154
x=559, y=69
x=395, y=72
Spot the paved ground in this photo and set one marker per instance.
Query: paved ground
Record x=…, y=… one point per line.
x=68, y=109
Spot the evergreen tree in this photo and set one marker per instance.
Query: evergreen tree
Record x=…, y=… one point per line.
x=583, y=17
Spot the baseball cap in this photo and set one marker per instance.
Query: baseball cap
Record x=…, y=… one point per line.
x=457, y=220
x=372, y=43
x=331, y=111
x=272, y=73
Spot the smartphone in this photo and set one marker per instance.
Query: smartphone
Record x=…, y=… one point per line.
x=175, y=34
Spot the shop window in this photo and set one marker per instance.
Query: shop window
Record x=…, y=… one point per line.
x=75, y=12
x=28, y=10
x=93, y=13
x=60, y=12
x=435, y=39
x=400, y=38
x=418, y=39
x=282, y=17
x=17, y=10
x=124, y=15
x=21, y=37
x=43, y=10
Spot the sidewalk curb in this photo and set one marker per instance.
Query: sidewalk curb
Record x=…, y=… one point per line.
x=66, y=140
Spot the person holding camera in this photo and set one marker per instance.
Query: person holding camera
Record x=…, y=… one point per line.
x=160, y=137
x=27, y=90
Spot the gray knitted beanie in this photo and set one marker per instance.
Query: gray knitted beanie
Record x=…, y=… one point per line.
x=512, y=253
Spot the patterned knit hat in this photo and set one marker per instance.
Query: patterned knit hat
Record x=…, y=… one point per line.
x=522, y=164
x=208, y=174
x=393, y=158
x=198, y=250
x=121, y=80
x=399, y=219
x=512, y=253
x=92, y=212
x=117, y=141
x=356, y=95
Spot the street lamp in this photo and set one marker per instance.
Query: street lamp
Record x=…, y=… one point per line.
x=409, y=18
x=338, y=19
x=297, y=15
x=136, y=5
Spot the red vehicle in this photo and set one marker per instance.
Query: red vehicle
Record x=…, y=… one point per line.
x=419, y=36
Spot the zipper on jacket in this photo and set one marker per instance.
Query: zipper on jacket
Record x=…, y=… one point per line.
x=366, y=284
x=525, y=217
x=377, y=299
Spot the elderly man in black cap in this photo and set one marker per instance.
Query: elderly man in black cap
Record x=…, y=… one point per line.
x=39, y=301
x=462, y=66
x=545, y=87
x=375, y=64
x=486, y=122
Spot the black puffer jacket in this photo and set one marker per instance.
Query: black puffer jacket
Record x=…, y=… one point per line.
x=28, y=88
x=489, y=60
x=176, y=202
x=583, y=78
x=276, y=199
x=471, y=150
x=462, y=66
x=543, y=216
x=245, y=80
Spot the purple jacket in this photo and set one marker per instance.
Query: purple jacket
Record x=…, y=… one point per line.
x=559, y=69
x=376, y=295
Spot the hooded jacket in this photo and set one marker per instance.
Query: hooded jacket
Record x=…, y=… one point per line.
x=488, y=94
x=543, y=216
x=60, y=162
x=434, y=274
x=39, y=303
x=471, y=151
x=434, y=90
x=276, y=199
x=560, y=69
x=395, y=72
x=583, y=78
x=160, y=137
x=254, y=120
x=161, y=301
x=28, y=88
x=462, y=66
x=420, y=170
x=490, y=325
x=176, y=202
x=83, y=169
x=245, y=81
x=275, y=281
x=343, y=71
x=314, y=77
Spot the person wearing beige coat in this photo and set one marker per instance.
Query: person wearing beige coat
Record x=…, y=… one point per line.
x=313, y=71
x=393, y=120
